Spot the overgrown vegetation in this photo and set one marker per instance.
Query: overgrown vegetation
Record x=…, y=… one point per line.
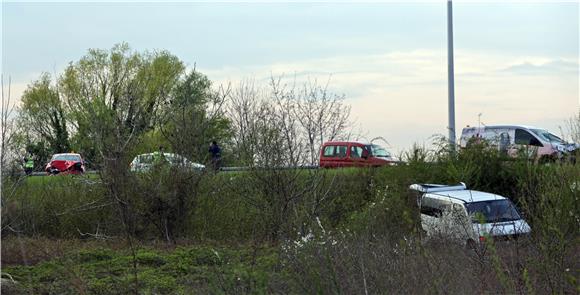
x=178, y=270
x=347, y=231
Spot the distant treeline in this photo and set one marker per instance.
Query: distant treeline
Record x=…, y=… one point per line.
x=118, y=103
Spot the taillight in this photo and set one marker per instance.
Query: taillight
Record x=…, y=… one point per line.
x=481, y=239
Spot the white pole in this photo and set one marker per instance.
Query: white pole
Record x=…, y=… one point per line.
x=450, y=77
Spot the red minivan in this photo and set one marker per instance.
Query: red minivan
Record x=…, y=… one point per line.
x=354, y=154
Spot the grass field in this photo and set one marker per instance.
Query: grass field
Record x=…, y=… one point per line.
x=105, y=268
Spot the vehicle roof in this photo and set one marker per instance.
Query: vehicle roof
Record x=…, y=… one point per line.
x=467, y=196
x=345, y=142
x=66, y=154
x=505, y=126
x=165, y=154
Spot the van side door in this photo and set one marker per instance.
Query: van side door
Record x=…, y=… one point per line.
x=327, y=156
x=334, y=155
x=341, y=155
x=430, y=216
x=456, y=222
x=356, y=155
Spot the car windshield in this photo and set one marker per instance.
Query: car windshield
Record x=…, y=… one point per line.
x=171, y=158
x=145, y=159
x=378, y=151
x=67, y=158
x=547, y=136
x=492, y=211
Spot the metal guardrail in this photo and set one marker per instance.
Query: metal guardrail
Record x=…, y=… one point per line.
x=233, y=169
x=38, y=173
x=224, y=169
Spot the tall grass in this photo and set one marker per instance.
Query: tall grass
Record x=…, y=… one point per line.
x=337, y=231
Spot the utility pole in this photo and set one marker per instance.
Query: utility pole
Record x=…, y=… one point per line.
x=450, y=77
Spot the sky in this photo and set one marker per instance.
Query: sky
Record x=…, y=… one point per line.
x=515, y=62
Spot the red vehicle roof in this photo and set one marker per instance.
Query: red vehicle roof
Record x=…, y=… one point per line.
x=344, y=143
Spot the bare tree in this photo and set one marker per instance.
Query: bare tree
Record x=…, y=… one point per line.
x=285, y=103
x=278, y=126
x=7, y=126
x=323, y=116
x=305, y=116
x=246, y=106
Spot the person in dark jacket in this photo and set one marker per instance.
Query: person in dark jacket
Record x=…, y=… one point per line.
x=216, y=156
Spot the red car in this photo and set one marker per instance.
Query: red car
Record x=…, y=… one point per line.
x=354, y=154
x=65, y=164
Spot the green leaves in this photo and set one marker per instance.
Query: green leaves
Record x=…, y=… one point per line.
x=115, y=96
x=43, y=115
x=193, y=117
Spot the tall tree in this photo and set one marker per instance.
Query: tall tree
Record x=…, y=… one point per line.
x=195, y=116
x=43, y=113
x=115, y=96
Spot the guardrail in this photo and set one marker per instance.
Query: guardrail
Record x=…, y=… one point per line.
x=223, y=169
x=233, y=169
x=38, y=173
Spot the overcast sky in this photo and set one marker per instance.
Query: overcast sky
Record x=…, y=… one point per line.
x=515, y=62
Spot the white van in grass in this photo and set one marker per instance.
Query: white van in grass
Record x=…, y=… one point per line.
x=467, y=216
x=513, y=139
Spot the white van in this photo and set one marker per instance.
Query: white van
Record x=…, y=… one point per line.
x=512, y=139
x=467, y=216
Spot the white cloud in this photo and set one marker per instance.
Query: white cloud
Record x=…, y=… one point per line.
x=402, y=96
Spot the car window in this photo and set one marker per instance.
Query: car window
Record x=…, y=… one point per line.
x=329, y=151
x=431, y=211
x=504, y=141
x=525, y=138
x=377, y=151
x=341, y=151
x=356, y=151
x=67, y=158
x=547, y=136
x=492, y=211
x=145, y=159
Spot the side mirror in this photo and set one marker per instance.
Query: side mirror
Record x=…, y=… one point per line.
x=365, y=154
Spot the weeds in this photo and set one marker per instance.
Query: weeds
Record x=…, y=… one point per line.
x=329, y=231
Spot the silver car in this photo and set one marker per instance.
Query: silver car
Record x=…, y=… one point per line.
x=144, y=162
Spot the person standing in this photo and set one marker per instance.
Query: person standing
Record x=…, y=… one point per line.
x=215, y=152
x=28, y=165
